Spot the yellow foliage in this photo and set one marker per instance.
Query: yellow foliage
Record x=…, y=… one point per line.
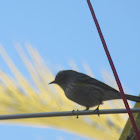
x=19, y=96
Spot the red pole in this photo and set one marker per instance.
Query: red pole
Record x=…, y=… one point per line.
x=114, y=70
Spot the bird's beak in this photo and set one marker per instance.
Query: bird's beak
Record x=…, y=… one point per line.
x=52, y=82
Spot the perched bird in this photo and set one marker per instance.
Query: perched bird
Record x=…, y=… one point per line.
x=87, y=91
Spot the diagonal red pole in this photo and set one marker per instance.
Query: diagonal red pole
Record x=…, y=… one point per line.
x=114, y=70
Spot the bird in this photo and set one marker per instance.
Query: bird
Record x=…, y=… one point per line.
x=87, y=91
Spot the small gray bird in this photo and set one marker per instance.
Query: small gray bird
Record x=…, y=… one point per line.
x=87, y=91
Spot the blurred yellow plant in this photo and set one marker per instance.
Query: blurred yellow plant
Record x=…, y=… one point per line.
x=17, y=95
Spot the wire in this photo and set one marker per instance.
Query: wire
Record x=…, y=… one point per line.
x=66, y=113
x=114, y=70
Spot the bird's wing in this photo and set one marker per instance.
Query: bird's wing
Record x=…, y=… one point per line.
x=94, y=89
x=86, y=81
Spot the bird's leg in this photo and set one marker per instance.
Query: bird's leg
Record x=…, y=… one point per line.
x=97, y=109
x=77, y=115
x=74, y=114
x=87, y=108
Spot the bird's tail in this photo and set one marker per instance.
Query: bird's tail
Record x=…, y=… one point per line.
x=133, y=98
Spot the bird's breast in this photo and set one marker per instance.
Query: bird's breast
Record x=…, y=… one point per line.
x=81, y=96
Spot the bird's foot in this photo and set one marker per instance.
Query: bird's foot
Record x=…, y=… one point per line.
x=74, y=113
x=97, y=109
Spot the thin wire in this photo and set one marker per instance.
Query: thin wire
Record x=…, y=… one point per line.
x=114, y=70
x=66, y=113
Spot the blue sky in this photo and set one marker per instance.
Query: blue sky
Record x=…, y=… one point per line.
x=17, y=132
x=64, y=30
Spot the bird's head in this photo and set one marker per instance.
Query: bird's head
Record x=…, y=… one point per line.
x=63, y=78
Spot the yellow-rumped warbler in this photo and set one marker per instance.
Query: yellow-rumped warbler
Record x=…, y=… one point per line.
x=87, y=91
